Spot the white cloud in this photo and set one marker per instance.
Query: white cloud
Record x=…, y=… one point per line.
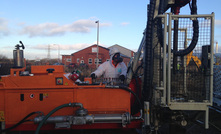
x=4, y=30
x=124, y=23
x=53, y=29
x=74, y=47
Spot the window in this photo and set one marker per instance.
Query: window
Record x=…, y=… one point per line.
x=95, y=61
x=89, y=61
x=78, y=60
x=100, y=61
x=82, y=61
x=68, y=60
x=94, y=49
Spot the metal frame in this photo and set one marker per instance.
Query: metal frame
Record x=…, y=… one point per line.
x=204, y=106
x=163, y=88
x=166, y=87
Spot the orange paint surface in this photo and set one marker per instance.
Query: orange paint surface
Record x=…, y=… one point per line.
x=21, y=95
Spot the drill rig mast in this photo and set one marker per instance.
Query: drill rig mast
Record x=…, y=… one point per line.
x=172, y=88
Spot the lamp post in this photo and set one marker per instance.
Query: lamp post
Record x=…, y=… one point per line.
x=97, y=41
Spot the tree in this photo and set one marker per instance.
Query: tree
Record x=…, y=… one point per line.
x=5, y=65
x=3, y=59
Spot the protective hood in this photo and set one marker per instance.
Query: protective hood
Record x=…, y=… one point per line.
x=112, y=53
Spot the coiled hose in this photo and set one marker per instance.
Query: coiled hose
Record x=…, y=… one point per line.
x=195, y=34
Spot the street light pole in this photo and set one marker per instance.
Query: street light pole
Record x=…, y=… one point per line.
x=97, y=41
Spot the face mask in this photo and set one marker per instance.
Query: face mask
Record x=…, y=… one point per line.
x=117, y=58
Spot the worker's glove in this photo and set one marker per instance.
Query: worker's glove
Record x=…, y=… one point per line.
x=93, y=76
x=122, y=77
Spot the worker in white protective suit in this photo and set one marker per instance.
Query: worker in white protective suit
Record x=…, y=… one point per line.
x=114, y=68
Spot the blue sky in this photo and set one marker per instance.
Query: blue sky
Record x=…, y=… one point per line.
x=70, y=24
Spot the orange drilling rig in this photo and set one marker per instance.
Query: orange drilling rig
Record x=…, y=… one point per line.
x=155, y=92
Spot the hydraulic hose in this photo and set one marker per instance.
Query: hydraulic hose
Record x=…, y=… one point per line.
x=134, y=108
x=147, y=92
x=148, y=54
x=127, y=89
x=20, y=122
x=137, y=98
x=195, y=34
x=53, y=111
x=159, y=23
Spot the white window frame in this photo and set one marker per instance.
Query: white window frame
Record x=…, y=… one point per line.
x=90, y=62
x=68, y=59
x=95, y=61
x=94, y=49
x=100, y=61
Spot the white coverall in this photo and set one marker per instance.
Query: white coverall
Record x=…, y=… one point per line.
x=110, y=71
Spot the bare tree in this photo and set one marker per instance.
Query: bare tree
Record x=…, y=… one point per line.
x=5, y=65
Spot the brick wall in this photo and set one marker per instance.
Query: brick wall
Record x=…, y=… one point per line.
x=90, y=53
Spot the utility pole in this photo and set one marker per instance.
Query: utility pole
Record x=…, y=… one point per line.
x=97, y=42
x=58, y=52
x=49, y=56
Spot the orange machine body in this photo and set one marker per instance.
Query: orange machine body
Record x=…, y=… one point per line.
x=43, y=91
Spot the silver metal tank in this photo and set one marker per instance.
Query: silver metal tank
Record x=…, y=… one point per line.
x=18, y=58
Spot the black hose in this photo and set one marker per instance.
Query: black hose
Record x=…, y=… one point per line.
x=159, y=23
x=137, y=98
x=20, y=122
x=147, y=92
x=53, y=111
x=126, y=89
x=148, y=54
x=195, y=34
x=135, y=107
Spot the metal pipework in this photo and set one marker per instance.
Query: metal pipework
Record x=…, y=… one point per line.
x=88, y=119
x=127, y=89
x=138, y=117
x=53, y=111
x=54, y=119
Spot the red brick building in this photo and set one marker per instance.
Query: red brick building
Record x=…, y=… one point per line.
x=88, y=57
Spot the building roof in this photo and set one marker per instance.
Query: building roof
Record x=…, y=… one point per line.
x=91, y=46
x=66, y=55
x=103, y=48
x=121, y=47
